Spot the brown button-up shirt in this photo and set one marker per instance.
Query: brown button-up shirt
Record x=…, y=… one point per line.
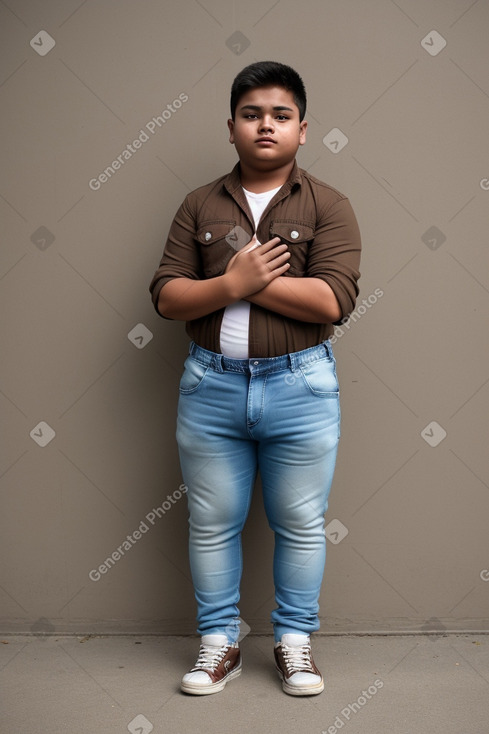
x=315, y=220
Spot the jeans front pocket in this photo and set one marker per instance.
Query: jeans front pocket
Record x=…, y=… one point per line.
x=320, y=377
x=193, y=376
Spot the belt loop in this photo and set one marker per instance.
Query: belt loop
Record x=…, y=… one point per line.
x=216, y=363
x=329, y=349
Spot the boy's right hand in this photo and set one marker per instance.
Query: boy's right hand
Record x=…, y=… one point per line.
x=252, y=268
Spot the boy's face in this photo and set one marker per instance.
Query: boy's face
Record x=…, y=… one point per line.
x=266, y=130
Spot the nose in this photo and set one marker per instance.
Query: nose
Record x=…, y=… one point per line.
x=266, y=124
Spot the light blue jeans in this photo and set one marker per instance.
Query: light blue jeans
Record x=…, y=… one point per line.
x=281, y=416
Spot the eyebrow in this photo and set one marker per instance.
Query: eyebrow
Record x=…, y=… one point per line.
x=278, y=108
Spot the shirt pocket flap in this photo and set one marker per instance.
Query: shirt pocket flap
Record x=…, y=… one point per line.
x=211, y=232
x=292, y=232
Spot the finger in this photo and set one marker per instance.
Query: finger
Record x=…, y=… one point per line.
x=279, y=271
x=279, y=261
x=276, y=251
x=270, y=244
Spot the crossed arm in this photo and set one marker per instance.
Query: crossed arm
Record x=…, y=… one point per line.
x=253, y=274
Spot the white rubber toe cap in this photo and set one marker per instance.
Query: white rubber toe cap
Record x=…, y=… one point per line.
x=304, y=679
x=197, y=677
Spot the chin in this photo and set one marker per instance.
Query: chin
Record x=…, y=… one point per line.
x=268, y=163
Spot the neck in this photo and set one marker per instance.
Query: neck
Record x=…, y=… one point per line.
x=259, y=181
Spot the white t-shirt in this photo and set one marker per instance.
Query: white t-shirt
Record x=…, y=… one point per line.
x=236, y=318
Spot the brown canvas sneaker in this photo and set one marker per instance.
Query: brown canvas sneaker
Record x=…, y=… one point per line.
x=218, y=662
x=296, y=668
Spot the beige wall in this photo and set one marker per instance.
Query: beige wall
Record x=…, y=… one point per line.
x=416, y=553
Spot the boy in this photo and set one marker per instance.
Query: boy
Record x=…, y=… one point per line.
x=260, y=264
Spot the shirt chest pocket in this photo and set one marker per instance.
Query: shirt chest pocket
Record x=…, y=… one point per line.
x=218, y=241
x=298, y=236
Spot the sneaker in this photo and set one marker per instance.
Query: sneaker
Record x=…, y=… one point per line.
x=219, y=661
x=295, y=666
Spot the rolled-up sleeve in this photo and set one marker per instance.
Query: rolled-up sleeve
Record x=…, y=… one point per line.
x=180, y=257
x=334, y=255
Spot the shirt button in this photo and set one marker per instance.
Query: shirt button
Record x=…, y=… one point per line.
x=208, y=236
x=294, y=234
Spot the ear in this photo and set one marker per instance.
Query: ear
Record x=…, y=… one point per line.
x=302, y=132
x=231, y=131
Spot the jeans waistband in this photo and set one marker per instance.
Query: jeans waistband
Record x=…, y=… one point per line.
x=259, y=365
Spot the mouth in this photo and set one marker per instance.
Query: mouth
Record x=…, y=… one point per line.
x=266, y=140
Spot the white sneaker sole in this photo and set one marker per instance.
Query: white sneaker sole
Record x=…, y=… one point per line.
x=203, y=690
x=301, y=690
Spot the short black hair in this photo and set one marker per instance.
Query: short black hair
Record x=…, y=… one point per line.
x=267, y=74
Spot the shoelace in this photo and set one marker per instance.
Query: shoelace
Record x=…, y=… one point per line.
x=298, y=658
x=210, y=656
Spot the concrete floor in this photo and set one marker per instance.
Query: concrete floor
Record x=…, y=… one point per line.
x=115, y=684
